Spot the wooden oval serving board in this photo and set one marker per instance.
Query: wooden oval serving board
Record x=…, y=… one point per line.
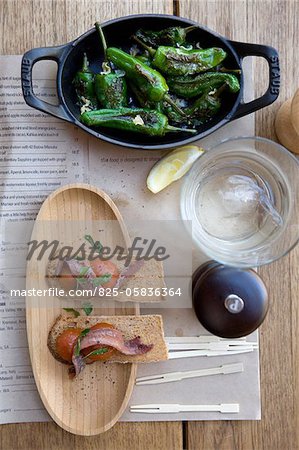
x=93, y=402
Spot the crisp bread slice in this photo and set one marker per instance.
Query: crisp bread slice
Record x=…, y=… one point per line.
x=148, y=327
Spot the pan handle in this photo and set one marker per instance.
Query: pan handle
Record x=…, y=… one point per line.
x=29, y=59
x=272, y=92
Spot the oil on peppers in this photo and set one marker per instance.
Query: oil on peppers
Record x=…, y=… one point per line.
x=160, y=106
x=137, y=120
x=110, y=87
x=189, y=87
x=171, y=113
x=143, y=101
x=179, y=61
x=149, y=81
x=201, y=110
x=205, y=107
x=170, y=83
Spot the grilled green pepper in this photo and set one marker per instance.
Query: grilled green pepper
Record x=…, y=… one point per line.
x=137, y=120
x=142, y=99
x=204, y=107
x=110, y=87
x=171, y=113
x=111, y=90
x=169, y=36
x=189, y=87
x=177, y=61
x=150, y=82
x=84, y=86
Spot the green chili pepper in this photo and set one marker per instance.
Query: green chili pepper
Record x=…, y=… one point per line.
x=171, y=113
x=110, y=87
x=178, y=61
x=150, y=82
x=84, y=86
x=169, y=36
x=142, y=99
x=199, y=112
x=111, y=90
x=189, y=87
x=137, y=120
x=204, y=107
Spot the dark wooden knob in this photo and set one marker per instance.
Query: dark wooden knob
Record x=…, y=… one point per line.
x=229, y=302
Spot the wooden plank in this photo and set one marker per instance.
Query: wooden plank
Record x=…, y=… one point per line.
x=294, y=311
x=35, y=23
x=274, y=23
x=32, y=23
x=279, y=333
x=133, y=436
x=227, y=17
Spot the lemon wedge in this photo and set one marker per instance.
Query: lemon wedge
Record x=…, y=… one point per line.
x=172, y=167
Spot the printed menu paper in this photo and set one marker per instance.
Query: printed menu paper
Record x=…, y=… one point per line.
x=38, y=154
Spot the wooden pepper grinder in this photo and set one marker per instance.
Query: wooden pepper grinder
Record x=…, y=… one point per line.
x=229, y=302
x=287, y=124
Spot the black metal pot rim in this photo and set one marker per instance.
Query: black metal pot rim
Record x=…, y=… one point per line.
x=238, y=50
x=185, y=141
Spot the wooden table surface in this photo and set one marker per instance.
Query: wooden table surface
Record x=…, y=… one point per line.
x=33, y=23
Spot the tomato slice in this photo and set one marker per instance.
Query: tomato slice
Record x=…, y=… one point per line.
x=101, y=268
x=103, y=356
x=65, y=343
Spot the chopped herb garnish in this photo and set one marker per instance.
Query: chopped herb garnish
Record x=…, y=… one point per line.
x=98, y=281
x=82, y=278
x=78, y=344
x=96, y=245
x=87, y=309
x=84, y=332
x=77, y=348
x=89, y=239
x=83, y=271
x=73, y=311
x=98, y=351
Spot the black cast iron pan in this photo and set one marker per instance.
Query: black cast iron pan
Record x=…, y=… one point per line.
x=118, y=33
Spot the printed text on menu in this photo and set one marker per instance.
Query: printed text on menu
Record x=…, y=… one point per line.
x=38, y=154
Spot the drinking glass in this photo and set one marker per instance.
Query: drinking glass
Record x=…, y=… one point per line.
x=242, y=197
